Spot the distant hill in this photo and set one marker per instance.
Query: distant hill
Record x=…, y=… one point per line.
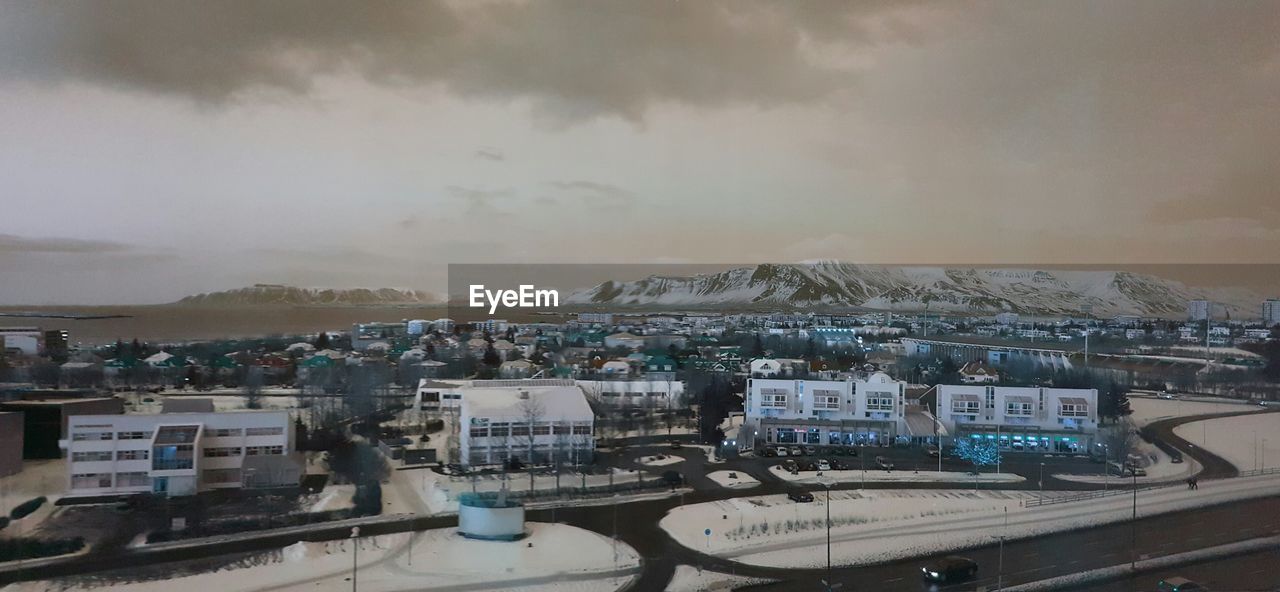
x=277, y=295
x=941, y=289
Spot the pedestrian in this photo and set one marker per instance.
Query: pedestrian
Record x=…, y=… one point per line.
x=1191, y=483
x=1195, y=483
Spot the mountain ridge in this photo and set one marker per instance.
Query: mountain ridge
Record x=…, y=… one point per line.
x=915, y=288
x=282, y=295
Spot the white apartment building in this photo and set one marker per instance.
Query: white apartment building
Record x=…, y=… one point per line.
x=1021, y=418
x=1197, y=310
x=824, y=412
x=642, y=392
x=179, y=453
x=1271, y=312
x=536, y=421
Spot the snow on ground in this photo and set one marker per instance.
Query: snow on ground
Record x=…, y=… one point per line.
x=1147, y=410
x=333, y=497
x=878, y=525
x=696, y=579
x=553, y=557
x=858, y=475
x=660, y=460
x=1247, y=441
x=733, y=479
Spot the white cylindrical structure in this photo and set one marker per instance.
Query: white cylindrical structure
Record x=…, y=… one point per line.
x=490, y=519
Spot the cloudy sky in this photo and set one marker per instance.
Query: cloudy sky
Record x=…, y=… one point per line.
x=154, y=149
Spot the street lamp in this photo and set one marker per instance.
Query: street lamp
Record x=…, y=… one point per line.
x=827, y=482
x=1041, y=482
x=355, y=554
x=1133, y=527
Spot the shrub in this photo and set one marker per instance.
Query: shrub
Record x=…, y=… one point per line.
x=25, y=509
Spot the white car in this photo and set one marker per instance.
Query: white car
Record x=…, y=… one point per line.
x=1165, y=396
x=823, y=465
x=782, y=450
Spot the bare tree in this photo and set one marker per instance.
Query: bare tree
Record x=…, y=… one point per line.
x=531, y=412
x=1120, y=440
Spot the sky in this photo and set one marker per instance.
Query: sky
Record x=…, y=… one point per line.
x=154, y=150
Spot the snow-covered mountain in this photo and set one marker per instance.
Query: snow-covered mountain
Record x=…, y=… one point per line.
x=277, y=295
x=942, y=289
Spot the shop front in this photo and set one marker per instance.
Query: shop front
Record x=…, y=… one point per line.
x=1017, y=438
x=830, y=433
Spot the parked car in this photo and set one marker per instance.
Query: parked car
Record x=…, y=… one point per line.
x=675, y=445
x=884, y=463
x=1175, y=458
x=800, y=496
x=1178, y=584
x=807, y=465
x=824, y=465
x=809, y=450
x=790, y=466
x=932, y=450
x=1137, y=471
x=950, y=569
x=1166, y=395
x=780, y=451
x=768, y=452
x=795, y=451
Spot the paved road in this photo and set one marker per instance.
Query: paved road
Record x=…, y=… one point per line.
x=1255, y=571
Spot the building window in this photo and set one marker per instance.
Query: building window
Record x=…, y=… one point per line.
x=1015, y=408
x=479, y=431
x=83, y=436
x=91, y=481
x=263, y=450
x=133, y=435
x=542, y=429
x=90, y=456
x=499, y=430
x=520, y=430
x=582, y=430
x=217, y=452
x=826, y=400
x=133, y=479
x=174, y=457
x=271, y=431
x=225, y=432
x=773, y=398
x=883, y=403
x=561, y=429
x=132, y=455
x=1070, y=410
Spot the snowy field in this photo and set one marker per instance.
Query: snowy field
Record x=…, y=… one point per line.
x=553, y=557
x=878, y=525
x=1147, y=410
x=1248, y=441
x=733, y=479
x=661, y=460
x=694, y=579
x=858, y=475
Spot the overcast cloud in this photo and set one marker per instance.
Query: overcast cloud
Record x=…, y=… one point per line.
x=397, y=137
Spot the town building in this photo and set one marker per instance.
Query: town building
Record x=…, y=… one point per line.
x=1197, y=310
x=20, y=340
x=179, y=454
x=824, y=412
x=1031, y=419
x=541, y=421
x=1271, y=312
x=978, y=372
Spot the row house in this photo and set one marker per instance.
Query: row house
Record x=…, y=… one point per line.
x=1031, y=419
x=824, y=412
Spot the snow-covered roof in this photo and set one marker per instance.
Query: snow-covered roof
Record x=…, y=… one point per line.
x=555, y=402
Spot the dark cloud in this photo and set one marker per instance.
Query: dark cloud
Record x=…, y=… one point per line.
x=492, y=154
x=10, y=243
x=574, y=58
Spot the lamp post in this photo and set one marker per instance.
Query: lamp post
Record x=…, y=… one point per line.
x=1133, y=527
x=1041, y=484
x=355, y=555
x=1000, y=568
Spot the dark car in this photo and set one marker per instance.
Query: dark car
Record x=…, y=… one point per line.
x=1178, y=584
x=932, y=450
x=675, y=445
x=950, y=569
x=800, y=496
x=768, y=452
x=790, y=466
x=884, y=463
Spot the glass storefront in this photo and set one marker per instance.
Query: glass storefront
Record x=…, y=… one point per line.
x=1033, y=442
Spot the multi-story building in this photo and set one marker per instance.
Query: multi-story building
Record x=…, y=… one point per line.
x=1021, y=418
x=1197, y=310
x=1271, y=312
x=824, y=412
x=21, y=340
x=536, y=421
x=179, y=453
